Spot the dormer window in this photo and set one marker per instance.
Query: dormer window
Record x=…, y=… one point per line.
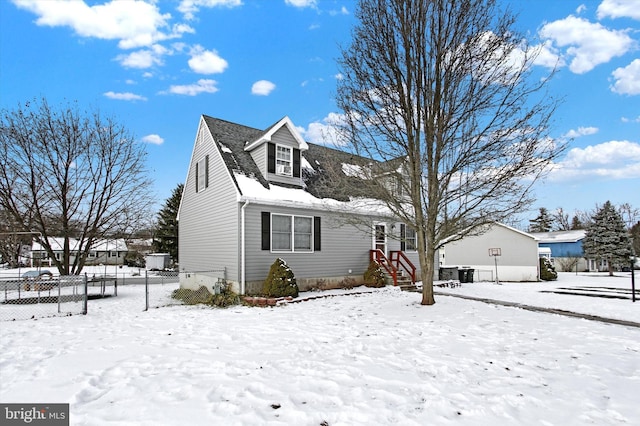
x=283, y=160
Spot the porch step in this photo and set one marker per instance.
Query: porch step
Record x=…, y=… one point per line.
x=402, y=279
x=409, y=287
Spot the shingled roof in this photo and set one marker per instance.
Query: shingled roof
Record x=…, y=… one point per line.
x=322, y=174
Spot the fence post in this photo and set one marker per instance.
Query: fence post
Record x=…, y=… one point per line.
x=59, y=293
x=86, y=294
x=146, y=290
x=115, y=284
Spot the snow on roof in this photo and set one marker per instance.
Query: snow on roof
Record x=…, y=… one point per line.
x=277, y=195
x=560, y=236
x=353, y=170
x=57, y=244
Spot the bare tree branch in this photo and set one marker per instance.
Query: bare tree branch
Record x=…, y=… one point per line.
x=448, y=86
x=71, y=174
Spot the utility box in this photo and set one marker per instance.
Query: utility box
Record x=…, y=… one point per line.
x=448, y=273
x=157, y=261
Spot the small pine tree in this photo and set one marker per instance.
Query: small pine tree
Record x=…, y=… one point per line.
x=281, y=282
x=547, y=271
x=607, y=238
x=542, y=223
x=166, y=236
x=374, y=276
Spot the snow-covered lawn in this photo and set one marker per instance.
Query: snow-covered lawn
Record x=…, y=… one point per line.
x=362, y=359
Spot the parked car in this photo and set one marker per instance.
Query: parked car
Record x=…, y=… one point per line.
x=38, y=279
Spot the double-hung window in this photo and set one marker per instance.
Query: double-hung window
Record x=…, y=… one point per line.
x=291, y=233
x=283, y=160
x=408, y=238
x=411, y=241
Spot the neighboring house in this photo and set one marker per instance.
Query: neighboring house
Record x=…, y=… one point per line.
x=254, y=195
x=517, y=259
x=566, y=250
x=103, y=252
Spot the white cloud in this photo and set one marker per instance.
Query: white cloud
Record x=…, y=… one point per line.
x=153, y=139
x=190, y=7
x=325, y=132
x=262, y=88
x=145, y=58
x=548, y=56
x=614, y=160
x=206, y=61
x=627, y=79
x=133, y=23
x=587, y=44
x=581, y=131
x=629, y=120
x=202, y=86
x=127, y=96
x=581, y=9
x=301, y=3
x=619, y=9
x=343, y=11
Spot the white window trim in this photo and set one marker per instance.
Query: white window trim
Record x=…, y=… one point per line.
x=290, y=160
x=292, y=241
x=202, y=177
x=406, y=240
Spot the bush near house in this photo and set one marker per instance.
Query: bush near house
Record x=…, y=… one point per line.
x=204, y=297
x=281, y=281
x=547, y=271
x=374, y=276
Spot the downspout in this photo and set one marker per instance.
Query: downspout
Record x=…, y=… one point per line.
x=242, y=248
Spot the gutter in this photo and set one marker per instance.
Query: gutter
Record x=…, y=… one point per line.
x=242, y=247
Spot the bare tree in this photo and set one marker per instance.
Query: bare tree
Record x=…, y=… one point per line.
x=560, y=220
x=447, y=87
x=69, y=174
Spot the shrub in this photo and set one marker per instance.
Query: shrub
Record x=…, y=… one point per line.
x=374, y=276
x=204, y=297
x=547, y=271
x=281, y=282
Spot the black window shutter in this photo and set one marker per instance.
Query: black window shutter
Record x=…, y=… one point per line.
x=403, y=235
x=316, y=233
x=206, y=171
x=197, y=177
x=296, y=162
x=271, y=158
x=266, y=230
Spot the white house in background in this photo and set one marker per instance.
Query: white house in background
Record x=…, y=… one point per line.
x=103, y=252
x=517, y=260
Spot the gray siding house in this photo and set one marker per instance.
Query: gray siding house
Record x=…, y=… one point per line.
x=254, y=195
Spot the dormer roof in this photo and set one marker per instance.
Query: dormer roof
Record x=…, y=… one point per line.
x=266, y=136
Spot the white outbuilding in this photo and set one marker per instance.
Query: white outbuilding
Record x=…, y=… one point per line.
x=501, y=252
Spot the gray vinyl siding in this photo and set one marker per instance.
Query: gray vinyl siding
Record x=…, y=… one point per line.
x=209, y=221
x=344, y=247
x=259, y=155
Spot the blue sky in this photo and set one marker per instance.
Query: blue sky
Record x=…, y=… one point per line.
x=157, y=66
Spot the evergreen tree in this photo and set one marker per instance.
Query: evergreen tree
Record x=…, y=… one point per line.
x=166, y=237
x=607, y=238
x=542, y=223
x=635, y=236
x=576, y=223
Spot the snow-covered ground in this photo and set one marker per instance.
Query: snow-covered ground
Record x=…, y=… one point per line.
x=376, y=358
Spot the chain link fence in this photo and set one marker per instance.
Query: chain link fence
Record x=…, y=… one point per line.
x=48, y=296
x=162, y=288
x=42, y=297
